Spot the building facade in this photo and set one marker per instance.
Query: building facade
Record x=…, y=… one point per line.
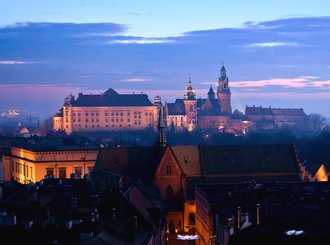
x=31, y=163
x=109, y=111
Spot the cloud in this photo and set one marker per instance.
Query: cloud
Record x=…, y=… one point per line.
x=141, y=41
x=136, y=80
x=272, y=44
x=286, y=55
x=16, y=62
x=298, y=83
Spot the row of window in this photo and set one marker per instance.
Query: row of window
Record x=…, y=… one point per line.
x=78, y=171
x=106, y=125
x=20, y=168
x=107, y=114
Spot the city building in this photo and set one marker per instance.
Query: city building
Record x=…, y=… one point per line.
x=109, y=111
x=275, y=118
x=176, y=170
x=40, y=157
x=263, y=213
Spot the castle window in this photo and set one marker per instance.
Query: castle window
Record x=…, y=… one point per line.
x=168, y=169
x=92, y=114
x=191, y=107
x=122, y=114
x=117, y=113
x=86, y=114
x=49, y=171
x=62, y=173
x=106, y=120
x=128, y=114
x=97, y=114
x=78, y=172
x=106, y=114
x=79, y=114
x=73, y=114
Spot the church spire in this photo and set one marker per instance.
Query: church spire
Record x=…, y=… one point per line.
x=161, y=128
x=190, y=93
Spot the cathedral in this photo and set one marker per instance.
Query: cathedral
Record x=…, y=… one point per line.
x=213, y=112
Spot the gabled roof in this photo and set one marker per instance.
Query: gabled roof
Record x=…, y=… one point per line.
x=188, y=157
x=112, y=98
x=136, y=162
x=258, y=111
x=248, y=159
x=274, y=111
x=176, y=108
x=210, y=107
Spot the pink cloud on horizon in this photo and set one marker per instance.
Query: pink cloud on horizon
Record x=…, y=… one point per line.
x=298, y=82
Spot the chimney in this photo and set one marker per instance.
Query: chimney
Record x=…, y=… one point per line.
x=238, y=218
x=113, y=214
x=258, y=214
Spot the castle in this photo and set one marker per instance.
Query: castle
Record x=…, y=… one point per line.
x=112, y=111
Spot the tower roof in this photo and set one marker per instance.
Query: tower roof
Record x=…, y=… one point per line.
x=211, y=92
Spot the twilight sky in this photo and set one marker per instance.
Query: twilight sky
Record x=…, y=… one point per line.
x=277, y=53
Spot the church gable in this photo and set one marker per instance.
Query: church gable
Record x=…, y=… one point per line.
x=170, y=180
x=169, y=165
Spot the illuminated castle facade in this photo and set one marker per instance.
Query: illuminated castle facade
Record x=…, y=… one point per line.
x=109, y=111
x=112, y=111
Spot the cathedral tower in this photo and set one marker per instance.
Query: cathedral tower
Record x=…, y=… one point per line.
x=190, y=104
x=223, y=92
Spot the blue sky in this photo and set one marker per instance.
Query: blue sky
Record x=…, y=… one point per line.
x=276, y=52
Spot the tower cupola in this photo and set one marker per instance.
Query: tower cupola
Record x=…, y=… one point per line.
x=190, y=92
